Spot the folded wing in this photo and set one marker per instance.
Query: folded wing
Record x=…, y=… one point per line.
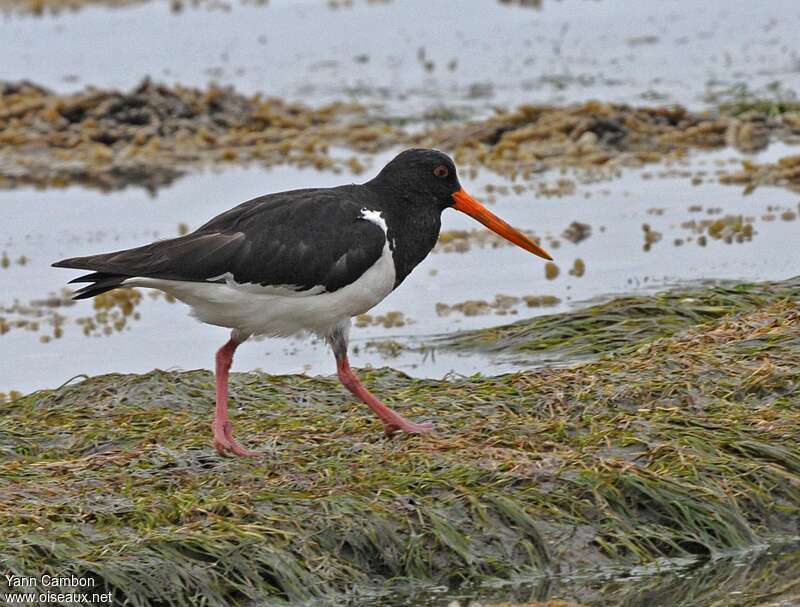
x=304, y=239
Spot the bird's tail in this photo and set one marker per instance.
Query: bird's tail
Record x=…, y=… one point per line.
x=100, y=282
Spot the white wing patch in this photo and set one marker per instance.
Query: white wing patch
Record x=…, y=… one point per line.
x=375, y=217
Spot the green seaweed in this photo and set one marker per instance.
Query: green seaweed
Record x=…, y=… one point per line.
x=670, y=446
x=620, y=323
x=739, y=99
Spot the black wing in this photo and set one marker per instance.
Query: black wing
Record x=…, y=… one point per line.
x=303, y=238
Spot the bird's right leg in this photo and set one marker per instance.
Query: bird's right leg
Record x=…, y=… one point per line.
x=392, y=421
x=223, y=429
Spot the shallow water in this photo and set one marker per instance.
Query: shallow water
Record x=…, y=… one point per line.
x=766, y=576
x=44, y=226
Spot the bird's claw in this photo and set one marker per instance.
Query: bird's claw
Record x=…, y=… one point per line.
x=224, y=442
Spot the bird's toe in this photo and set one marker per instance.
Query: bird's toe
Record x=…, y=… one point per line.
x=224, y=442
x=237, y=449
x=408, y=427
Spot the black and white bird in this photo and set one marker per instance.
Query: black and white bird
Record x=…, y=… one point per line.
x=301, y=261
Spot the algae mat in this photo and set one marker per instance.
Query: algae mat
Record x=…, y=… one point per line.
x=153, y=134
x=619, y=324
x=686, y=445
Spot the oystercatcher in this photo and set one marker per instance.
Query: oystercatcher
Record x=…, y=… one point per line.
x=301, y=261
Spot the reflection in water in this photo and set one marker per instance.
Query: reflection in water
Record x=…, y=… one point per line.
x=501, y=305
x=525, y=3
x=111, y=313
x=462, y=241
x=770, y=577
x=389, y=320
x=12, y=395
x=39, y=8
x=38, y=315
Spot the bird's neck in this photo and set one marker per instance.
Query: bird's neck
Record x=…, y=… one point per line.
x=412, y=234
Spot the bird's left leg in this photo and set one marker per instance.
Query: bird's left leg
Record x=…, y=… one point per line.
x=392, y=421
x=223, y=429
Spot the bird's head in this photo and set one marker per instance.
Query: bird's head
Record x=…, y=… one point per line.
x=429, y=177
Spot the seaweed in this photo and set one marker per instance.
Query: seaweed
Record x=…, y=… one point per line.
x=666, y=446
x=618, y=324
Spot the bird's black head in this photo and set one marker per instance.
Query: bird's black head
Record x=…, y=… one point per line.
x=428, y=177
x=421, y=176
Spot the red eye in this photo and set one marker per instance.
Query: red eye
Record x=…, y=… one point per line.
x=441, y=171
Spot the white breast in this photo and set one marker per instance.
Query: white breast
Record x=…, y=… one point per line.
x=280, y=310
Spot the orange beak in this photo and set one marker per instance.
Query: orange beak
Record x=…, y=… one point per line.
x=467, y=204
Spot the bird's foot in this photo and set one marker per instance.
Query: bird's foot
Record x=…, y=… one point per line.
x=403, y=425
x=224, y=442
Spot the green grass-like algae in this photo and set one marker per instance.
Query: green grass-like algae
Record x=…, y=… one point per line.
x=618, y=324
x=681, y=445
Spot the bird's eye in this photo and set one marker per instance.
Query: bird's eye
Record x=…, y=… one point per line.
x=441, y=171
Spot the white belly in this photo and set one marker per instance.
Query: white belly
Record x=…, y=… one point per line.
x=277, y=311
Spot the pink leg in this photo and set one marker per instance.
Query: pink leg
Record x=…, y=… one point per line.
x=223, y=430
x=392, y=422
